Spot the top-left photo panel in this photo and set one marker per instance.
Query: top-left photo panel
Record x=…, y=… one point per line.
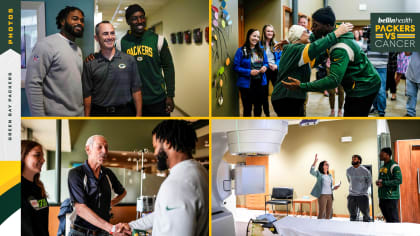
x=113, y=58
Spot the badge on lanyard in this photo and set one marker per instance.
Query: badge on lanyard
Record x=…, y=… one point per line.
x=38, y=204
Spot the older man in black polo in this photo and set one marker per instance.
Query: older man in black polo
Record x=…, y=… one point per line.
x=90, y=187
x=111, y=82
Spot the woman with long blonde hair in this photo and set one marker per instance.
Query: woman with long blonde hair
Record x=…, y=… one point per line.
x=267, y=43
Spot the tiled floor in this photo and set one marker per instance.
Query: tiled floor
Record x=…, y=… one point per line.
x=318, y=105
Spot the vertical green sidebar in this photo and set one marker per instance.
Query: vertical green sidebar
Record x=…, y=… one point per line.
x=10, y=79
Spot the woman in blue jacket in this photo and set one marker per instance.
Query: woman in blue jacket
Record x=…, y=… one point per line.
x=273, y=57
x=323, y=189
x=251, y=64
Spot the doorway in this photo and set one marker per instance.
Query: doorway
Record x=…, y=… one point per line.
x=407, y=154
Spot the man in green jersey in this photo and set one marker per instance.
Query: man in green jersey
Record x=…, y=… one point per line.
x=152, y=54
x=388, y=184
x=349, y=66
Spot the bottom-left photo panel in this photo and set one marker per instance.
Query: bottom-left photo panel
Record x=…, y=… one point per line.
x=114, y=177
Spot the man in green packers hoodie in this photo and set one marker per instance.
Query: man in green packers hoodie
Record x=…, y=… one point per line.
x=389, y=186
x=349, y=66
x=152, y=54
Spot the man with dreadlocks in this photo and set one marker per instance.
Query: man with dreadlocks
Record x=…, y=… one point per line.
x=53, y=78
x=182, y=203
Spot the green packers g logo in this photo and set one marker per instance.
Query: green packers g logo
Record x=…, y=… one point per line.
x=122, y=66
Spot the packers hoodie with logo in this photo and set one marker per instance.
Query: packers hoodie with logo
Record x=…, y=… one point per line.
x=151, y=62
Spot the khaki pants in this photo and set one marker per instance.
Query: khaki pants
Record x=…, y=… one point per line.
x=325, y=206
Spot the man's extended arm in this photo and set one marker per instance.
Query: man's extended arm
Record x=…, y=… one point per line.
x=339, y=63
x=143, y=223
x=87, y=214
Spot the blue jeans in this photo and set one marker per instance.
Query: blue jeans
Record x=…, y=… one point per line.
x=412, y=90
x=380, y=100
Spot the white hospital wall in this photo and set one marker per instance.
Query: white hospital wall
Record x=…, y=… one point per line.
x=308, y=7
x=191, y=60
x=259, y=13
x=290, y=168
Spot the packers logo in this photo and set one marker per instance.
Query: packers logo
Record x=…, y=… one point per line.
x=139, y=58
x=122, y=66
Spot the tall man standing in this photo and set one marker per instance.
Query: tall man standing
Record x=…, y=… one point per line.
x=90, y=187
x=152, y=54
x=53, y=77
x=111, y=82
x=388, y=184
x=360, y=180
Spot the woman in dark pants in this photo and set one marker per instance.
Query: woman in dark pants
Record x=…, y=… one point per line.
x=251, y=64
x=34, y=204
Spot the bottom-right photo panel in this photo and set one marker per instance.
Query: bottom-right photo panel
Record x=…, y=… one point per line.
x=315, y=177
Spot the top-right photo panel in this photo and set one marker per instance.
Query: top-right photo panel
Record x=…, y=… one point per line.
x=315, y=58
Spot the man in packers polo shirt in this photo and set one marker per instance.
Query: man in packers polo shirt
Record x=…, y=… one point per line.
x=90, y=188
x=111, y=82
x=153, y=56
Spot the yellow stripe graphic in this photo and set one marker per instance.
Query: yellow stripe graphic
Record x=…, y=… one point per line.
x=9, y=175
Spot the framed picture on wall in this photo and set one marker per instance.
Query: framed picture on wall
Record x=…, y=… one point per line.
x=173, y=38
x=198, y=35
x=179, y=37
x=187, y=36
